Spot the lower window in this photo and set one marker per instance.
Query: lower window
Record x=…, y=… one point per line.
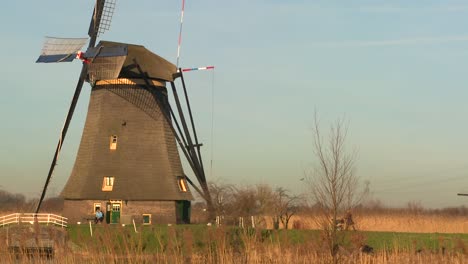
x=146, y=219
x=97, y=206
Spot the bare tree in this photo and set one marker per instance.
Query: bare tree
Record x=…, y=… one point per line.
x=286, y=205
x=222, y=195
x=278, y=204
x=334, y=185
x=245, y=202
x=265, y=204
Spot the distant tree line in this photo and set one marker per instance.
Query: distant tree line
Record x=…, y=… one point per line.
x=18, y=203
x=278, y=205
x=374, y=206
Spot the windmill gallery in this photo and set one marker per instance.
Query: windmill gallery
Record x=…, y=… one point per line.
x=127, y=165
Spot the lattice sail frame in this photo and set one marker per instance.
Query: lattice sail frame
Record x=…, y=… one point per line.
x=61, y=49
x=55, y=46
x=106, y=17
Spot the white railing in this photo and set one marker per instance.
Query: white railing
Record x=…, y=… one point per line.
x=31, y=218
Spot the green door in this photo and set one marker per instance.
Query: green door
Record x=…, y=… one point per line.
x=183, y=212
x=115, y=214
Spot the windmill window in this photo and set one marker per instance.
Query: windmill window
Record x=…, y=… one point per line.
x=97, y=206
x=107, y=184
x=182, y=184
x=113, y=142
x=146, y=219
x=116, y=207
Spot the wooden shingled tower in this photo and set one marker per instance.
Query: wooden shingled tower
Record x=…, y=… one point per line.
x=128, y=159
x=128, y=164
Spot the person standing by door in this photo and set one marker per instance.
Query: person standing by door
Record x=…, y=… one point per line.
x=99, y=216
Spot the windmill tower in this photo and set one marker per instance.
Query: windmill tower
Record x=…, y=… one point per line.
x=127, y=165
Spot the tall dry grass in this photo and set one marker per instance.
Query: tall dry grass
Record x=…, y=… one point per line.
x=412, y=223
x=217, y=245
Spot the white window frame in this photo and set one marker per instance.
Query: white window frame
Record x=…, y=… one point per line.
x=149, y=223
x=97, y=205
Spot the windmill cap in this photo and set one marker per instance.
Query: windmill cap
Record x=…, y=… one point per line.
x=155, y=67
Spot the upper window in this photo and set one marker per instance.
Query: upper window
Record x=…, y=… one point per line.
x=107, y=184
x=182, y=184
x=113, y=142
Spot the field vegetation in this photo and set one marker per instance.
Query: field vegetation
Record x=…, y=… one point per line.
x=393, y=235
x=210, y=244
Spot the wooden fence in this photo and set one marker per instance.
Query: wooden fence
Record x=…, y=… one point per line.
x=31, y=218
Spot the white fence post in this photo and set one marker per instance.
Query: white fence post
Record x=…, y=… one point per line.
x=134, y=226
x=241, y=222
x=90, y=228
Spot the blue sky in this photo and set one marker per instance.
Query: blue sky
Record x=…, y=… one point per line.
x=396, y=70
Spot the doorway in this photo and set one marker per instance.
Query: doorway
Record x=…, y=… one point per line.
x=183, y=212
x=113, y=212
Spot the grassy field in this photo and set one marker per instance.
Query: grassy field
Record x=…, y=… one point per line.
x=156, y=238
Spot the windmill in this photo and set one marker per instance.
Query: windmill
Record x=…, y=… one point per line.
x=127, y=163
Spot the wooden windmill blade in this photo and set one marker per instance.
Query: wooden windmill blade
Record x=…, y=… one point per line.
x=102, y=14
x=65, y=49
x=102, y=17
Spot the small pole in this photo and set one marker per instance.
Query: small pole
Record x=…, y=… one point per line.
x=134, y=226
x=241, y=222
x=90, y=228
x=253, y=221
x=180, y=32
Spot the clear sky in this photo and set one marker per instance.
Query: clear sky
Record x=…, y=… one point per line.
x=396, y=70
